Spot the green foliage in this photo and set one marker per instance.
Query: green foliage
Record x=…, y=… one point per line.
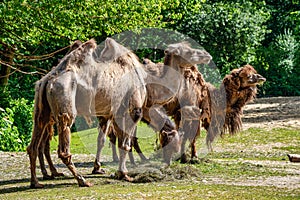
x=284, y=15
x=9, y=135
x=16, y=125
x=231, y=31
x=282, y=68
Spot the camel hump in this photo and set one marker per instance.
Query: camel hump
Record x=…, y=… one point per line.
x=89, y=45
x=112, y=51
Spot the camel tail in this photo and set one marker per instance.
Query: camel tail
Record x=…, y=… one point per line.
x=217, y=105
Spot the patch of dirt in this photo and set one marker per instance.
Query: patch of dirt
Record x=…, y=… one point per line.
x=291, y=182
x=272, y=112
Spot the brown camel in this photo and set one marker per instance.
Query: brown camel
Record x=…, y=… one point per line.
x=241, y=88
x=79, y=77
x=167, y=83
x=44, y=148
x=220, y=108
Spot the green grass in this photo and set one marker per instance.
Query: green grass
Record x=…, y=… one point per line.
x=85, y=142
x=176, y=190
x=236, y=169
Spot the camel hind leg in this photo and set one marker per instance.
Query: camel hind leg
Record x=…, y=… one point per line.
x=33, y=151
x=44, y=149
x=54, y=172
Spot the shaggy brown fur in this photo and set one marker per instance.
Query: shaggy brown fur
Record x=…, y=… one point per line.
x=189, y=108
x=221, y=109
x=240, y=87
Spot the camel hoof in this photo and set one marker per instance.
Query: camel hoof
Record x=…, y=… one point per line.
x=127, y=178
x=123, y=176
x=56, y=174
x=86, y=184
x=183, y=159
x=98, y=171
x=194, y=161
x=47, y=177
x=36, y=186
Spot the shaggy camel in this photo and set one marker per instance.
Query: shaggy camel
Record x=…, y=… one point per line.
x=44, y=146
x=168, y=131
x=189, y=106
x=220, y=109
x=78, y=78
x=44, y=143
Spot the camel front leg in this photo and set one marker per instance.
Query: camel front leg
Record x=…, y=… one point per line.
x=195, y=130
x=122, y=173
x=64, y=152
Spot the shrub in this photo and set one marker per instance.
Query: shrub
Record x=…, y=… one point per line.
x=281, y=66
x=16, y=125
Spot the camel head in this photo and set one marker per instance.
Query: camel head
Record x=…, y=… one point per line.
x=248, y=76
x=187, y=55
x=112, y=50
x=171, y=144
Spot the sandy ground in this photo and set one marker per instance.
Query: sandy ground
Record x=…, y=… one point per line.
x=272, y=112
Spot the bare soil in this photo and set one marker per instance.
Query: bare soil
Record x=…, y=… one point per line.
x=272, y=112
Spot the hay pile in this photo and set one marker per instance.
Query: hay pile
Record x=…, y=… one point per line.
x=155, y=173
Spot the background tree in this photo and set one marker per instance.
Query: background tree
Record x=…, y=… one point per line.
x=35, y=34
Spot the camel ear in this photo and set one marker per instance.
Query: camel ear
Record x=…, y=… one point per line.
x=226, y=80
x=174, y=51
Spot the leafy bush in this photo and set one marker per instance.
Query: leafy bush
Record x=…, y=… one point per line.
x=16, y=125
x=281, y=65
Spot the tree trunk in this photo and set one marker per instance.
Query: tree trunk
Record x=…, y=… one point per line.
x=5, y=70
